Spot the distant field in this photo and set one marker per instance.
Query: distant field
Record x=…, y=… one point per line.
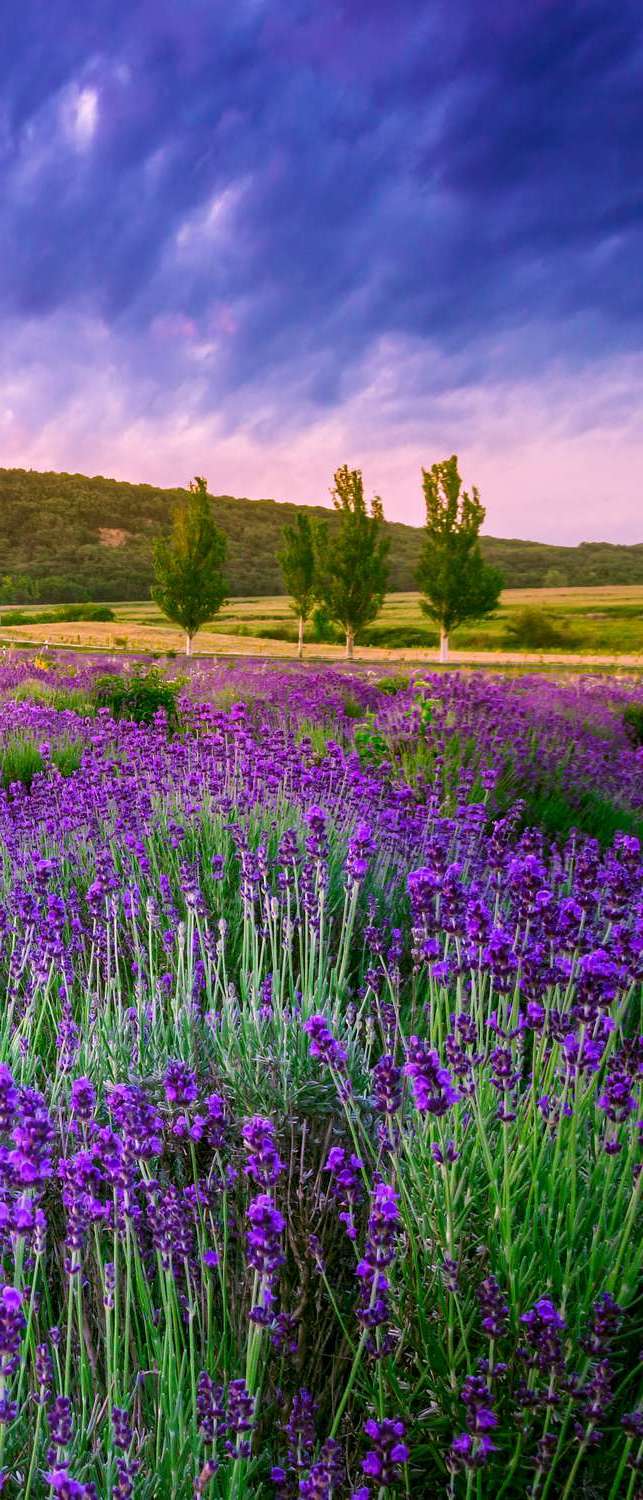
x=590, y=623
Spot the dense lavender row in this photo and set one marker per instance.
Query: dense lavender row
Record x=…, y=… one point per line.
x=318, y=1102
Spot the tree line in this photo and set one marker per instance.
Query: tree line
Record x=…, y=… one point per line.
x=344, y=573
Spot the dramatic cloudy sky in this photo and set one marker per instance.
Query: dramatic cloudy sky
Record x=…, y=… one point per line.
x=259, y=238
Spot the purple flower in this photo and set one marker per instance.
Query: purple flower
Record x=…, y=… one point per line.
x=469, y=1451
x=476, y=1397
x=346, y=1184
x=617, y=1099
x=124, y=1487
x=494, y=1307
x=66, y=1488
x=264, y=1163
x=381, y=1244
x=543, y=1326
x=44, y=1374
x=83, y=1099
x=12, y=1327
x=606, y=1319
x=141, y=1126
x=326, y=1474
x=122, y=1428
x=323, y=1044
x=212, y=1127
x=388, y=1451
x=8, y=1098
x=387, y=1085
x=240, y=1419
x=433, y=1090
x=180, y=1084
x=361, y=847
x=209, y=1407
x=60, y=1422
x=33, y=1135
x=264, y=1236
x=300, y=1429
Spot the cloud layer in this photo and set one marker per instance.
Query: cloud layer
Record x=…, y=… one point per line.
x=258, y=241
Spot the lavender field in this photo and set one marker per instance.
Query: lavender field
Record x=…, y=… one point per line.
x=319, y=1070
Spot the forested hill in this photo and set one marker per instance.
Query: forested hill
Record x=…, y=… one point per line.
x=66, y=536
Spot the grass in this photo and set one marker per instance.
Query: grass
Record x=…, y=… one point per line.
x=60, y=698
x=602, y=620
x=21, y=759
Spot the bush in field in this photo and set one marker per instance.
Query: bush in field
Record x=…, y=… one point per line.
x=138, y=697
x=393, y=684
x=633, y=721
x=68, y=612
x=536, y=630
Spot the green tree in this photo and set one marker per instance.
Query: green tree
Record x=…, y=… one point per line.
x=189, y=584
x=458, y=585
x=351, y=569
x=297, y=563
x=555, y=578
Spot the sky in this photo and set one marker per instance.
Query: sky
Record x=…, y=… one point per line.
x=259, y=240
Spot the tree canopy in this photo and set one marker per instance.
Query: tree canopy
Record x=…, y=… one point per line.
x=297, y=563
x=456, y=582
x=189, y=584
x=352, y=561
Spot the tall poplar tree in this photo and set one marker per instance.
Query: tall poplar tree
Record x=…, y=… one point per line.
x=458, y=585
x=352, y=560
x=297, y=563
x=189, y=584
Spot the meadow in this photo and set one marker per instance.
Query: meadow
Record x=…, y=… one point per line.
x=575, y=624
x=320, y=1067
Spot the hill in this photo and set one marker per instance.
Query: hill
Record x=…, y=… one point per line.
x=67, y=536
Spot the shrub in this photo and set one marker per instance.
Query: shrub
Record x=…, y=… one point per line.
x=138, y=697
x=393, y=684
x=352, y=708
x=399, y=636
x=370, y=743
x=59, y=616
x=536, y=630
x=633, y=721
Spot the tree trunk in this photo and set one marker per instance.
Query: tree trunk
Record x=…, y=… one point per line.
x=188, y=644
x=444, y=645
x=350, y=640
x=300, y=640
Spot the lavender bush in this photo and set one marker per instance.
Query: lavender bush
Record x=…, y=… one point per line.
x=318, y=1099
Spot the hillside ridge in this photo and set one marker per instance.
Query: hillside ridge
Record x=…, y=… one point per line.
x=65, y=535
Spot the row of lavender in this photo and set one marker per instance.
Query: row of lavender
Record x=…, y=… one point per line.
x=318, y=1109
x=569, y=734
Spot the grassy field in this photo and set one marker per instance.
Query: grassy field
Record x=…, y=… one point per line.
x=588, y=623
